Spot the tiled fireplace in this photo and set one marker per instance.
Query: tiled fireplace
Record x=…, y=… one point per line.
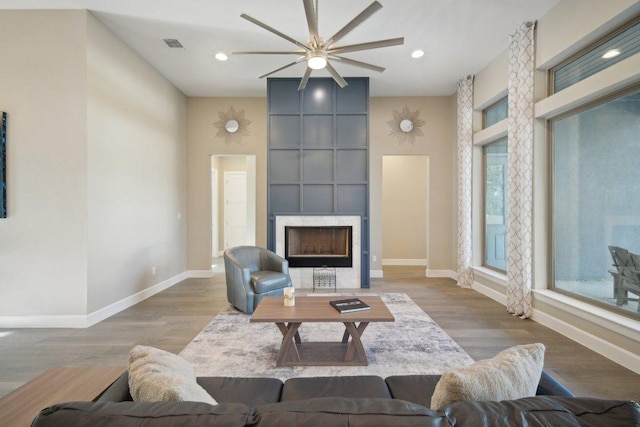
x=320, y=240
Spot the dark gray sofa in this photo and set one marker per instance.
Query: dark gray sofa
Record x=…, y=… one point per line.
x=339, y=401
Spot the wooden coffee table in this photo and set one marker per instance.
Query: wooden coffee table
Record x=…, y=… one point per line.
x=294, y=352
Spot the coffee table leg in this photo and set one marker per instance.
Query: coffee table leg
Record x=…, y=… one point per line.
x=356, y=344
x=290, y=333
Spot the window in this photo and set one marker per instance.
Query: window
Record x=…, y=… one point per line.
x=613, y=49
x=495, y=113
x=595, y=197
x=495, y=206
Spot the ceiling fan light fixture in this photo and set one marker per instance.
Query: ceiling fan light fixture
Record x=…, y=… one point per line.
x=317, y=60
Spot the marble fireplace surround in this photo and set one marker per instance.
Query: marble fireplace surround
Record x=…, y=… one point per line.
x=303, y=277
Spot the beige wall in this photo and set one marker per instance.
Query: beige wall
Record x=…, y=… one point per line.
x=405, y=183
x=436, y=144
x=43, y=242
x=202, y=113
x=96, y=171
x=136, y=161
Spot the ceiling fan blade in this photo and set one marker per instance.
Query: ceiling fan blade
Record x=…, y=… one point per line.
x=341, y=82
x=356, y=63
x=297, y=61
x=373, y=7
x=273, y=52
x=305, y=79
x=312, y=21
x=365, y=46
x=274, y=31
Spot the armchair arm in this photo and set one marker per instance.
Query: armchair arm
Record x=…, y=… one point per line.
x=273, y=262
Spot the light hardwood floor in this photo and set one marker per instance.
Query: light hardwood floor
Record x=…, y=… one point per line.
x=171, y=319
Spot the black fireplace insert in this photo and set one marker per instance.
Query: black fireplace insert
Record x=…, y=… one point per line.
x=322, y=246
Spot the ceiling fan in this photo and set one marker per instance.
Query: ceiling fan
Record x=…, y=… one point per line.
x=318, y=52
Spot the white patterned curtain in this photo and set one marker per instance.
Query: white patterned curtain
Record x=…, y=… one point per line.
x=465, y=148
x=520, y=171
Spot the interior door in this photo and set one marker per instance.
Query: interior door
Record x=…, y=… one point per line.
x=235, y=209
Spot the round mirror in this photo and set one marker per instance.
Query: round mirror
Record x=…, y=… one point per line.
x=406, y=125
x=232, y=126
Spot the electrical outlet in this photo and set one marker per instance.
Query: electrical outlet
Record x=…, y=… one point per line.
x=153, y=270
x=374, y=258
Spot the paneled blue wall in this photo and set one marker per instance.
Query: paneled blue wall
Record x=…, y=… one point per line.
x=318, y=153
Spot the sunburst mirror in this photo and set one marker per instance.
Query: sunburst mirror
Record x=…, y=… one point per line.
x=232, y=126
x=406, y=125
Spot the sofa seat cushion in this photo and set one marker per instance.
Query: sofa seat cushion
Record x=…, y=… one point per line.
x=544, y=411
x=250, y=391
x=350, y=386
x=339, y=411
x=265, y=281
x=413, y=388
x=149, y=414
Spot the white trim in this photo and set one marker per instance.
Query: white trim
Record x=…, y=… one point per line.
x=490, y=292
x=84, y=321
x=44, y=321
x=489, y=274
x=611, y=321
x=130, y=301
x=440, y=273
x=490, y=134
x=376, y=274
x=617, y=354
x=200, y=274
x=404, y=262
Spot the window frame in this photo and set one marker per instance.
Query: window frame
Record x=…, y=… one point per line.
x=551, y=253
x=551, y=73
x=483, y=201
x=484, y=111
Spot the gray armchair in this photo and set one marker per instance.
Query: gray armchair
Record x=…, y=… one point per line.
x=253, y=273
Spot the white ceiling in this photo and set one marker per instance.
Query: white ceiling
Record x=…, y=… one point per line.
x=459, y=37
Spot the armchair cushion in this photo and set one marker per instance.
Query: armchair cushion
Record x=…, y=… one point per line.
x=266, y=281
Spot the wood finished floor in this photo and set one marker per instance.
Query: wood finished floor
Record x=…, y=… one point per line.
x=171, y=319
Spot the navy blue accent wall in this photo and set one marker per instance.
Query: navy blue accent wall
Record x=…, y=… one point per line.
x=318, y=153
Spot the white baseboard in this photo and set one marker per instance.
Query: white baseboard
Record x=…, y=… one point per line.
x=489, y=292
x=609, y=350
x=62, y=321
x=440, y=273
x=404, y=262
x=376, y=274
x=84, y=321
x=199, y=274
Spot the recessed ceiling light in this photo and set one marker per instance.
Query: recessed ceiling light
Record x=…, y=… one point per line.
x=417, y=53
x=611, y=53
x=221, y=56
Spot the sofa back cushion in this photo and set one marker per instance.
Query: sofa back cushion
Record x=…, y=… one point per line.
x=339, y=411
x=545, y=411
x=361, y=386
x=135, y=414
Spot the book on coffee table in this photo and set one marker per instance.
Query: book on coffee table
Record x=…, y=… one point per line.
x=349, y=305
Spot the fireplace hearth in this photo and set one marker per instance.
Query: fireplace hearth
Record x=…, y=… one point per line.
x=318, y=246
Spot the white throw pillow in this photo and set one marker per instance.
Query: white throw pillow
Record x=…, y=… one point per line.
x=512, y=374
x=156, y=375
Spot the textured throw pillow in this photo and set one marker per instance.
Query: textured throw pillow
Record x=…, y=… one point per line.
x=156, y=375
x=512, y=374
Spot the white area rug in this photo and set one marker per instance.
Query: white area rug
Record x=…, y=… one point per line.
x=413, y=344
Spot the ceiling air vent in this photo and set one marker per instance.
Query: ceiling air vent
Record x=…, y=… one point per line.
x=173, y=43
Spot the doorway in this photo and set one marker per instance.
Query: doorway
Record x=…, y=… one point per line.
x=405, y=214
x=233, y=203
